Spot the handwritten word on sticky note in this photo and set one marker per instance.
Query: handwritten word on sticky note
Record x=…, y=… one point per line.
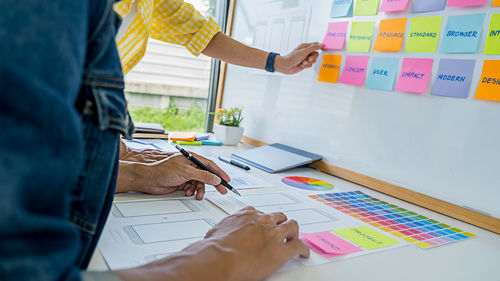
x=465, y=3
x=354, y=71
x=336, y=35
x=462, y=34
x=330, y=243
x=422, y=6
x=366, y=237
x=360, y=39
x=366, y=7
x=341, y=8
x=489, y=84
x=424, y=34
x=492, y=46
x=453, y=78
x=382, y=74
x=391, y=34
x=415, y=75
x=330, y=68
x=393, y=5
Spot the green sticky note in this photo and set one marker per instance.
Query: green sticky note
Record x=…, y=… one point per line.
x=424, y=34
x=360, y=39
x=366, y=237
x=492, y=46
x=366, y=7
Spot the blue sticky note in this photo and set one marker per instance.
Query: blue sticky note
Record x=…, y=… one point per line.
x=422, y=6
x=341, y=8
x=462, y=34
x=453, y=78
x=382, y=74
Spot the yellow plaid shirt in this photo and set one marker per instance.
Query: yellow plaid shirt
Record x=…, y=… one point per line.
x=171, y=21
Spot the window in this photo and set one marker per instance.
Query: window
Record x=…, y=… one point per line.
x=171, y=86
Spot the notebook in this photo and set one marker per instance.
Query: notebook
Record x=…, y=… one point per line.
x=276, y=157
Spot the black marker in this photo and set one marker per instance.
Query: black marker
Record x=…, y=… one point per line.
x=234, y=163
x=203, y=167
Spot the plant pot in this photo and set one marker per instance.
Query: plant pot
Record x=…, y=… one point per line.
x=228, y=135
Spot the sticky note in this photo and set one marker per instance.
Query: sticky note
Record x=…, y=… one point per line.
x=341, y=8
x=465, y=3
x=462, y=34
x=382, y=74
x=330, y=243
x=390, y=36
x=354, y=71
x=453, y=78
x=366, y=7
x=360, y=39
x=496, y=3
x=489, y=84
x=415, y=75
x=330, y=68
x=492, y=46
x=336, y=35
x=422, y=6
x=424, y=34
x=366, y=237
x=393, y=5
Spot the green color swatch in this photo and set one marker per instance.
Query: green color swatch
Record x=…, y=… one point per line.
x=360, y=39
x=424, y=34
x=366, y=7
x=492, y=46
x=366, y=237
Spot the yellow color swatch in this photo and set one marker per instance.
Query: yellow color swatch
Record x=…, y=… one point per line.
x=489, y=84
x=330, y=68
x=391, y=34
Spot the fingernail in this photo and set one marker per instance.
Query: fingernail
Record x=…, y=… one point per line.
x=216, y=180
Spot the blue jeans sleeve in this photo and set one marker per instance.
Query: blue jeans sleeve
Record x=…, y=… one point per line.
x=42, y=52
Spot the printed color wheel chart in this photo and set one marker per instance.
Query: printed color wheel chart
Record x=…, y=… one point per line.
x=307, y=183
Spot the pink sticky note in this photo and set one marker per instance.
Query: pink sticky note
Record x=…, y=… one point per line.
x=354, y=71
x=330, y=243
x=415, y=75
x=393, y=5
x=335, y=36
x=466, y=3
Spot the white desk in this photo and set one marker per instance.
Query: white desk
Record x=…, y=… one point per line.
x=473, y=259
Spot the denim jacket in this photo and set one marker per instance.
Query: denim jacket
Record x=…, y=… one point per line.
x=62, y=110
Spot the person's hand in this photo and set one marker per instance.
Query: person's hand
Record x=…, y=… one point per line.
x=247, y=246
x=142, y=156
x=304, y=56
x=176, y=173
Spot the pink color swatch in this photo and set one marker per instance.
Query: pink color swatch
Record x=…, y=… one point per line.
x=354, y=71
x=466, y=3
x=393, y=5
x=415, y=75
x=336, y=35
x=330, y=243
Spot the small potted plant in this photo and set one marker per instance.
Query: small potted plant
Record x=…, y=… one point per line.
x=227, y=125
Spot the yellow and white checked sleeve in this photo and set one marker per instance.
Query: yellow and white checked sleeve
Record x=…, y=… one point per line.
x=171, y=21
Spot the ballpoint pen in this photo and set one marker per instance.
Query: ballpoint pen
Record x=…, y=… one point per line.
x=234, y=163
x=204, y=167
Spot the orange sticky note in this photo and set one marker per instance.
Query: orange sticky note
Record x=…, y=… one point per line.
x=391, y=34
x=496, y=3
x=182, y=136
x=330, y=68
x=489, y=84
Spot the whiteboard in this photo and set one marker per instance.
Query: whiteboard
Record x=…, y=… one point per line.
x=443, y=147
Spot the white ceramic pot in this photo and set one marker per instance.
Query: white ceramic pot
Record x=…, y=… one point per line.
x=228, y=135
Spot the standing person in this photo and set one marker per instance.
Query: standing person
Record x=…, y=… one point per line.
x=62, y=112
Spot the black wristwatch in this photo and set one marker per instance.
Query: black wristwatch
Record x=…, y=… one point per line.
x=271, y=58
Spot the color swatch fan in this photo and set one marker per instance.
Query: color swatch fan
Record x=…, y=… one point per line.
x=307, y=183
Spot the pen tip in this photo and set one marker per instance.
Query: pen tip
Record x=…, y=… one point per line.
x=235, y=191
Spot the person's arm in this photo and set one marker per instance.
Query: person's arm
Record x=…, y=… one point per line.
x=226, y=49
x=247, y=246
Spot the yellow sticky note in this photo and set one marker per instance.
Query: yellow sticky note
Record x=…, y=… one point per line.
x=330, y=68
x=391, y=34
x=366, y=7
x=492, y=46
x=489, y=84
x=366, y=237
x=360, y=39
x=424, y=34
